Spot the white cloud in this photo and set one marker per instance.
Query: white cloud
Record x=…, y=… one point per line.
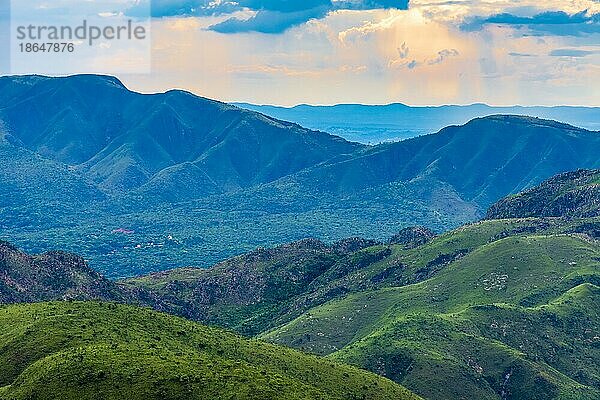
x=419, y=56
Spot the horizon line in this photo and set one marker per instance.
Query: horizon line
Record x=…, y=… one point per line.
x=399, y=103
x=304, y=104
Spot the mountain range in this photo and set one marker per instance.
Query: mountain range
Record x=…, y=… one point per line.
x=393, y=122
x=141, y=183
x=123, y=140
x=503, y=308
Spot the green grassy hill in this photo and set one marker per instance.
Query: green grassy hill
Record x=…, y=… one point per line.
x=497, y=309
x=256, y=291
x=502, y=309
x=267, y=288
x=108, y=351
x=514, y=318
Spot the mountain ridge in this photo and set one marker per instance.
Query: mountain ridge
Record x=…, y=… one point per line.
x=416, y=157
x=396, y=121
x=500, y=308
x=572, y=195
x=126, y=149
x=196, y=181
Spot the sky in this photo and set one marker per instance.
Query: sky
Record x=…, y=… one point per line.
x=418, y=52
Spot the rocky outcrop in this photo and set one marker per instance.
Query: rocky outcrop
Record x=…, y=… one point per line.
x=412, y=237
x=51, y=276
x=570, y=195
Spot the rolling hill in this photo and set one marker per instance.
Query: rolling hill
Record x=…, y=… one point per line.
x=256, y=291
x=108, y=351
x=501, y=306
x=498, y=309
x=467, y=322
x=510, y=312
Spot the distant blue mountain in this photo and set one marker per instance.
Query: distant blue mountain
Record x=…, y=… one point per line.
x=123, y=140
x=372, y=124
x=140, y=183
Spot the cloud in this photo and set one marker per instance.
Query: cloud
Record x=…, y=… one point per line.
x=367, y=28
x=284, y=6
x=276, y=16
x=165, y=8
x=403, y=51
x=571, y=53
x=185, y=8
x=549, y=22
x=266, y=21
x=442, y=55
x=270, y=16
x=515, y=54
x=413, y=64
x=403, y=61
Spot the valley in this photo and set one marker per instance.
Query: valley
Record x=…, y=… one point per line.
x=119, y=192
x=241, y=251
x=372, y=124
x=500, y=308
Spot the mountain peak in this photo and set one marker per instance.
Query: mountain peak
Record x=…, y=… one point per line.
x=82, y=79
x=126, y=140
x=97, y=79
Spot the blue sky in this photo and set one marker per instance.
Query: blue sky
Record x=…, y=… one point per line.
x=423, y=52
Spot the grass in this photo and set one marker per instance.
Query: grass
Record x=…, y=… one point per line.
x=269, y=291
x=108, y=351
x=516, y=315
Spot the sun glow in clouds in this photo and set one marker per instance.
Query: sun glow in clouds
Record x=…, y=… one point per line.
x=426, y=52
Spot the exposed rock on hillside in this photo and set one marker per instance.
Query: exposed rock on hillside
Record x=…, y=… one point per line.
x=412, y=237
x=572, y=195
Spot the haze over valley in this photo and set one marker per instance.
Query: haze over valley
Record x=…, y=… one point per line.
x=372, y=124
